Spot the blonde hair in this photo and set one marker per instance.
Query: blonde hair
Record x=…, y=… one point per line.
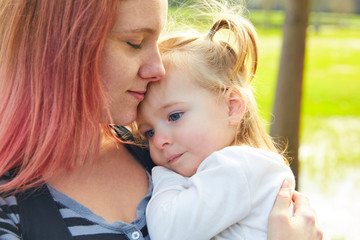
x=219, y=65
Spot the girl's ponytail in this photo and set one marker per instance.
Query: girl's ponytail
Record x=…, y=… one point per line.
x=245, y=43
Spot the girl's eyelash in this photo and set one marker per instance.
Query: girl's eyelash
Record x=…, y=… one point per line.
x=175, y=116
x=149, y=133
x=136, y=46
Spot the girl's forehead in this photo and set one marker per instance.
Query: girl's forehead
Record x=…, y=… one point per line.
x=174, y=85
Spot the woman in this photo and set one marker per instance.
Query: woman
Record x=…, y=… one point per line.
x=67, y=68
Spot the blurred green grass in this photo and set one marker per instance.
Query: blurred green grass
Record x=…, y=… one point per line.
x=331, y=76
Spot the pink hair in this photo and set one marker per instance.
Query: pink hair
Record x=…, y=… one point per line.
x=51, y=100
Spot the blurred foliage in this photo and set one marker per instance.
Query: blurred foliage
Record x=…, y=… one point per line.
x=318, y=20
x=335, y=6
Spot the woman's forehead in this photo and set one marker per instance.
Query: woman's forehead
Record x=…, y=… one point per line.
x=140, y=16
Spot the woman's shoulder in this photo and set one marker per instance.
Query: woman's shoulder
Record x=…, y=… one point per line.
x=9, y=215
x=9, y=208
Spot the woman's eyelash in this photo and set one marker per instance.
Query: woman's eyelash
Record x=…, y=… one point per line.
x=136, y=46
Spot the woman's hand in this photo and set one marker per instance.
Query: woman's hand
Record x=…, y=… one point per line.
x=301, y=226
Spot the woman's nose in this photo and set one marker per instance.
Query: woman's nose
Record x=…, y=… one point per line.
x=153, y=68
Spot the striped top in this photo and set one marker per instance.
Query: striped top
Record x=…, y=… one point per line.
x=82, y=223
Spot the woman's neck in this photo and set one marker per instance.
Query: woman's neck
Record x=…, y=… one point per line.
x=111, y=186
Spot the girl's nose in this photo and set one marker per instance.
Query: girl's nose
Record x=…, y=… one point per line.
x=161, y=140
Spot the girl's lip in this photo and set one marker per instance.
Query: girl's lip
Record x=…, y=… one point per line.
x=139, y=95
x=174, y=158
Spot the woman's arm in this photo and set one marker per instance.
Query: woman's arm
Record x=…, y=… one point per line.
x=302, y=226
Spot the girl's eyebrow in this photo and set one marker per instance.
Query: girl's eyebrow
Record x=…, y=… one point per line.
x=171, y=104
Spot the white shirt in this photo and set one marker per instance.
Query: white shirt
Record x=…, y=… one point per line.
x=229, y=197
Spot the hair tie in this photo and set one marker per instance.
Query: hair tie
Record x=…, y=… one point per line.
x=211, y=32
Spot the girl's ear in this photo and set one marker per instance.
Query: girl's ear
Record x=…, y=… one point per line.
x=236, y=105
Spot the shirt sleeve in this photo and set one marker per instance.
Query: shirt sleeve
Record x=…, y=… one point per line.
x=201, y=206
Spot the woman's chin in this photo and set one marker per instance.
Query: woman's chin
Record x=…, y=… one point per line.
x=124, y=119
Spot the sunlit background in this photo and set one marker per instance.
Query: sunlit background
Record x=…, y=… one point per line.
x=329, y=152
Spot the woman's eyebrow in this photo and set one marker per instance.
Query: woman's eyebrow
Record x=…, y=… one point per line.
x=135, y=30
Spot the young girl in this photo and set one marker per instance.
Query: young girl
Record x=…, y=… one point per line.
x=216, y=161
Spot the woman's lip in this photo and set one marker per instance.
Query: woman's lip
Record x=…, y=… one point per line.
x=174, y=158
x=138, y=95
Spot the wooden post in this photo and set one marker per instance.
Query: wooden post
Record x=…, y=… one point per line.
x=287, y=105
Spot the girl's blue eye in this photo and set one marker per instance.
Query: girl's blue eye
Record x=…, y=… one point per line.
x=136, y=46
x=175, y=116
x=149, y=133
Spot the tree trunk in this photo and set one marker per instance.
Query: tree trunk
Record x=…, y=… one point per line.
x=357, y=6
x=287, y=105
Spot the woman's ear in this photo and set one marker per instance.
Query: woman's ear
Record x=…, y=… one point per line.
x=236, y=105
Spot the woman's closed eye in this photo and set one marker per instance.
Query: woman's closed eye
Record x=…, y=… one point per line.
x=135, y=46
x=175, y=116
